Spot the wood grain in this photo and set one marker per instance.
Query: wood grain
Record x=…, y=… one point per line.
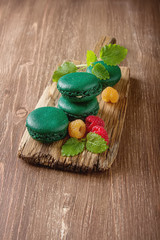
x=113, y=115
x=39, y=203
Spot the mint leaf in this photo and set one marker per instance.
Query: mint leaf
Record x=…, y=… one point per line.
x=65, y=68
x=100, y=71
x=113, y=54
x=95, y=143
x=91, y=57
x=72, y=147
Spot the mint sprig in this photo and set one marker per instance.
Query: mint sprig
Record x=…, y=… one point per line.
x=95, y=143
x=65, y=68
x=91, y=57
x=113, y=54
x=72, y=147
x=100, y=71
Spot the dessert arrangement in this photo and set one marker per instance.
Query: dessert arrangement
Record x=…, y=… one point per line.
x=78, y=102
x=76, y=124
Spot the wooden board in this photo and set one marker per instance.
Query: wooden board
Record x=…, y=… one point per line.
x=113, y=114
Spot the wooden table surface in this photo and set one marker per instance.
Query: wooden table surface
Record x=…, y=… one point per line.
x=43, y=204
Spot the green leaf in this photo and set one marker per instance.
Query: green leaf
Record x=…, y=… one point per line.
x=113, y=54
x=65, y=68
x=72, y=147
x=100, y=71
x=91, y=57
x=95, y=143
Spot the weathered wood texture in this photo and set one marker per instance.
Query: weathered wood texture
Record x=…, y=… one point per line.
x=113, y=115
x=39, y=203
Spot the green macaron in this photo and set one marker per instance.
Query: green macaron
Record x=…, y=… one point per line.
x=114, y=72
x=76, y=110
x=47, y=124
x=79, y=86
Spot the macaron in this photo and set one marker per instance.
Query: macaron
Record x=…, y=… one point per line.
x=114, y=72
x=79, y=86
x=47, y=124
x=76, y=110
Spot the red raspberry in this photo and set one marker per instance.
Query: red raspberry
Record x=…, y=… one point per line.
x=92, y=121
x=102, y=132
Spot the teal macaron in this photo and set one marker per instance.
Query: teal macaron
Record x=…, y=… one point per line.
x=114, y=72
x=76, y=110
x=79, y=86
x=47, y=124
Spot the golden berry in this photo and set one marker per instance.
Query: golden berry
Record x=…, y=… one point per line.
x=77, y=129
x=110, y=94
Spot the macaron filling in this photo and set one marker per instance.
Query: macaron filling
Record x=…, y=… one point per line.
x=79, y=96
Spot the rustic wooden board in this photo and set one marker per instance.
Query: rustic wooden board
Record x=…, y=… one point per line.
x=113, y=114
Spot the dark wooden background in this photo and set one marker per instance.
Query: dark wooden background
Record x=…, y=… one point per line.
x=43, y=204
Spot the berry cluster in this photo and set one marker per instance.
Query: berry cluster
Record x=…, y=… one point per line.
x=95, y=124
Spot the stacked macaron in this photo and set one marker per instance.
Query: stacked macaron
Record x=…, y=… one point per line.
x=114, y=73
x=79, y=91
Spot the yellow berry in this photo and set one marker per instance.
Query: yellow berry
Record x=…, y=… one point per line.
x=110, y=94
x=77, y=129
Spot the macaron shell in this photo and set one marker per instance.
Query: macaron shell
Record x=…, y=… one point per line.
x=114, y=72
x=78, y=110
x=77, y=82
x=48, y=137
x=47, y=120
